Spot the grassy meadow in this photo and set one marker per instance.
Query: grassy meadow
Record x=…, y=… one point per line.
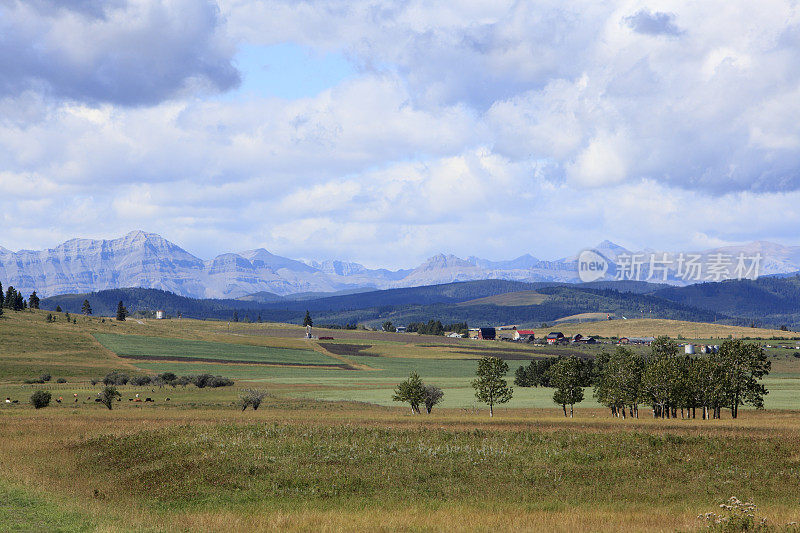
x=328, y=450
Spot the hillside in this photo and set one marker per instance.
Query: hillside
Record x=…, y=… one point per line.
x=484, y=302
x=769, y=300
x=672, y=328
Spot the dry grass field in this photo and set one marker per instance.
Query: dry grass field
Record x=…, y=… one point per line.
x=309, y=461
x=645, y=327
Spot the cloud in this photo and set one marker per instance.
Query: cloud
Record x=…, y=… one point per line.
x=131, y=53
x=656, y=23
x=489, y=128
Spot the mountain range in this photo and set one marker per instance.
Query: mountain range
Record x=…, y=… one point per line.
x=147, y=260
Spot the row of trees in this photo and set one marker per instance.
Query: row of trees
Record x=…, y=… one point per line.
x=12, y=299
x=432, y=327
x=666, y=380
x=200, y=381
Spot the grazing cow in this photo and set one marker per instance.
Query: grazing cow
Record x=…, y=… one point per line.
x=148, y=399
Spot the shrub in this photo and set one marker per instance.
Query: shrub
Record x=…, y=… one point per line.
x=168, y=377
x=116, y=378
x=208, y=380
x=61, y=380
x=40, y=398
x=252, y=397
x=45, y=377
x=140, y=380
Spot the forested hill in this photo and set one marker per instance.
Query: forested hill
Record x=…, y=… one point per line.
x=476, y=302
x=769, y=300
x=144, y=300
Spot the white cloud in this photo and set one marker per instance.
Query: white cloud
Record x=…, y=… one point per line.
x=487, y=128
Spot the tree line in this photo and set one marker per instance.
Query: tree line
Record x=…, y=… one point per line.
x=432, y=327
x=12, y=299
x=671, y=383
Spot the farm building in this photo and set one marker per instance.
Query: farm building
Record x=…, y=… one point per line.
x=505, y=334
x=487, y=333
x=555, y=337
x=160, y=315
x=400, y=329
x=647, y=341
x=580, y=339
x=525, y=335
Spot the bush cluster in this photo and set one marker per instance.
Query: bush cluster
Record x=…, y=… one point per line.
x=166, y=378
x=40, y=399
x=44, y=378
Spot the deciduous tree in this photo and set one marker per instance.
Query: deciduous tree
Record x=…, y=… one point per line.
x=433, y=395
x=411, y=391
x=490, y=387
x=108, y=395
x=567, y=378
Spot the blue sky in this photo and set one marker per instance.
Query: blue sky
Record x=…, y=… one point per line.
x=384, y=132
x=287, y=70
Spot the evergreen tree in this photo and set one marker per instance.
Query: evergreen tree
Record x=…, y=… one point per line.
x=121, y=312
x=11, y=294
x=490, y=387
x=86, y=308
x=33, y=301
x=19, y=303
x=2, y=298
x=58, y=309
x=307, y=320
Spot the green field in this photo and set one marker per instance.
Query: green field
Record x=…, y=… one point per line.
x=142, y=347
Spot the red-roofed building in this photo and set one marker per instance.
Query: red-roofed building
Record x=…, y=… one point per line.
x=525, y=335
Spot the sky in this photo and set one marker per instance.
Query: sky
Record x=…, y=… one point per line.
x=385, y=132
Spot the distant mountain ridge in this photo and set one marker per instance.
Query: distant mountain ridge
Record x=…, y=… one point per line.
x=147, y=260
